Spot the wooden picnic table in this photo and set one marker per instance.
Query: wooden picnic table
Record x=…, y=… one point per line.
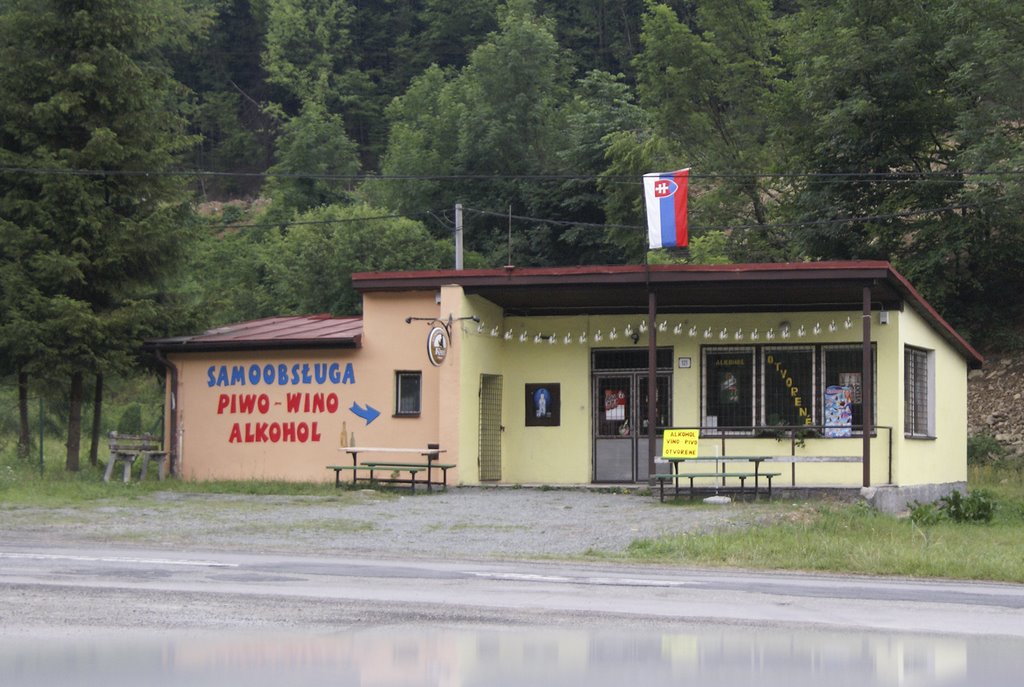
x=127, y=448
x=431, y=452
x=718, y=473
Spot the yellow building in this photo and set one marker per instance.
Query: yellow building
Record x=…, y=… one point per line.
x=540, y=376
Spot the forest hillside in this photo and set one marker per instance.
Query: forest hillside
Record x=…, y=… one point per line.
x=167, y=167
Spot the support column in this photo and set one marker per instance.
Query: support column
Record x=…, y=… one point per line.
x=867, y=389
x=652, y=382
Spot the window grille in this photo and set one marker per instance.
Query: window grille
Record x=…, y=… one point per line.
x=408, y=386
x=789, y=396
x=748, y=386
x=728, y=386
x=842, y=366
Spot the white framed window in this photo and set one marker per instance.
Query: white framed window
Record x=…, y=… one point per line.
x=408, y=393
x=918, y=392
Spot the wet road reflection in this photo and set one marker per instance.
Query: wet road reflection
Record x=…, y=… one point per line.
x=410, y=656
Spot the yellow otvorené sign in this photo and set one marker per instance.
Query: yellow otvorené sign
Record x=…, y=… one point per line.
x=680, y=443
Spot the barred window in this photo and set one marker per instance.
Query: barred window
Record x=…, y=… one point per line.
x=788, y=386
x=407, y=393
x=842, y=366
x=728, y=387
x=917, y=396
x=749, y=386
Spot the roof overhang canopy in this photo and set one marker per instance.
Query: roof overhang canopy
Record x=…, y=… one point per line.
x=680, y=289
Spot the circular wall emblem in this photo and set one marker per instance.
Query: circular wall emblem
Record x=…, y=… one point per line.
x=437, y=346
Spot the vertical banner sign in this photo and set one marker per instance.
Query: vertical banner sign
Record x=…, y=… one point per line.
x=665, y=199
x=680, y=443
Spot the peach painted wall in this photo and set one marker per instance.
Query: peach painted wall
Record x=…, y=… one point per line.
x=237, y=420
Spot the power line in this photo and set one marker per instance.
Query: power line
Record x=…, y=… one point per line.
x=724, y=227
x=944, y=176
x=560, y=222
x=598, y=225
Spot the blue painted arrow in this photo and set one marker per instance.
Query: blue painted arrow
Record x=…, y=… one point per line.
x=369, y=413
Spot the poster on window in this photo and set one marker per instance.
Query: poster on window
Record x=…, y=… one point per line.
x=542, y=405
x=614, y=404
x=838, y=411
x=851, y=380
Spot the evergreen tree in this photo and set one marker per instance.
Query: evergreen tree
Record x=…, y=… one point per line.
x=91, y=119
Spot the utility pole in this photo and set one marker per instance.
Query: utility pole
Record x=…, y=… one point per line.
x=458, y=236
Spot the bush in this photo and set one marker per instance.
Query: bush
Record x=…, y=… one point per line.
x=922, y=514
x=977, y=506
x=131, y=420
x=985, y=449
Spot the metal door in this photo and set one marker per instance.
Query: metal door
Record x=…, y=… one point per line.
x=620, y=424
x=614, y=450
x=490, y=428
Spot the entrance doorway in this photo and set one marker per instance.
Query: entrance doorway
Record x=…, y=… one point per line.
x=490, y=428
x=619, y=383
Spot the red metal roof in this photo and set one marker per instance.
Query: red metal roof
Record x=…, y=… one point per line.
x=295, y=331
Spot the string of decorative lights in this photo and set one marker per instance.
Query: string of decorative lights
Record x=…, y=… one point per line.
x=703, y=332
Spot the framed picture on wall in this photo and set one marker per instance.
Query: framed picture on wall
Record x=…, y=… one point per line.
x=543, y=405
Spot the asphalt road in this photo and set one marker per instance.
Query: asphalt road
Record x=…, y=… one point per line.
x=81, y=589
x=467, y=587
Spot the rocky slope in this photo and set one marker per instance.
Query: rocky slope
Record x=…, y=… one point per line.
x=995, y=400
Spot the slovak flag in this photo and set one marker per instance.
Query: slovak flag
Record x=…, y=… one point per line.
x=665, y=199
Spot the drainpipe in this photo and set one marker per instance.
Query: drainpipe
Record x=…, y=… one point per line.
x=173, y=445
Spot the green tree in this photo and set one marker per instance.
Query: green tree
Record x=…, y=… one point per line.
x=709, y=81
x=983, y=246
x=91, y=119
x=602, y=105
x=498, y=119
x=452, y=29
x=226, y=277
x=313, y=148
x=601, y=34
x=324, y=98
x=310, y=267
x=423, y=142
x=868, y=112
x=224, y=71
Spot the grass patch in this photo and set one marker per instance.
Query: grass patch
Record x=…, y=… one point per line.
x=466, y=526
x=22, y=483
x=854, y=538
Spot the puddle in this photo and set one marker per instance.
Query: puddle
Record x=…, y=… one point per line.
x=410, y=656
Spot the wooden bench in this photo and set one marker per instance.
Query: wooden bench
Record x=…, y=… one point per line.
x=127, y=448
x=674, y=477
x=432, y=452
x=720, y=473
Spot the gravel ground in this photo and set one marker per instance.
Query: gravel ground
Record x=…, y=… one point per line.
x=463, y=522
